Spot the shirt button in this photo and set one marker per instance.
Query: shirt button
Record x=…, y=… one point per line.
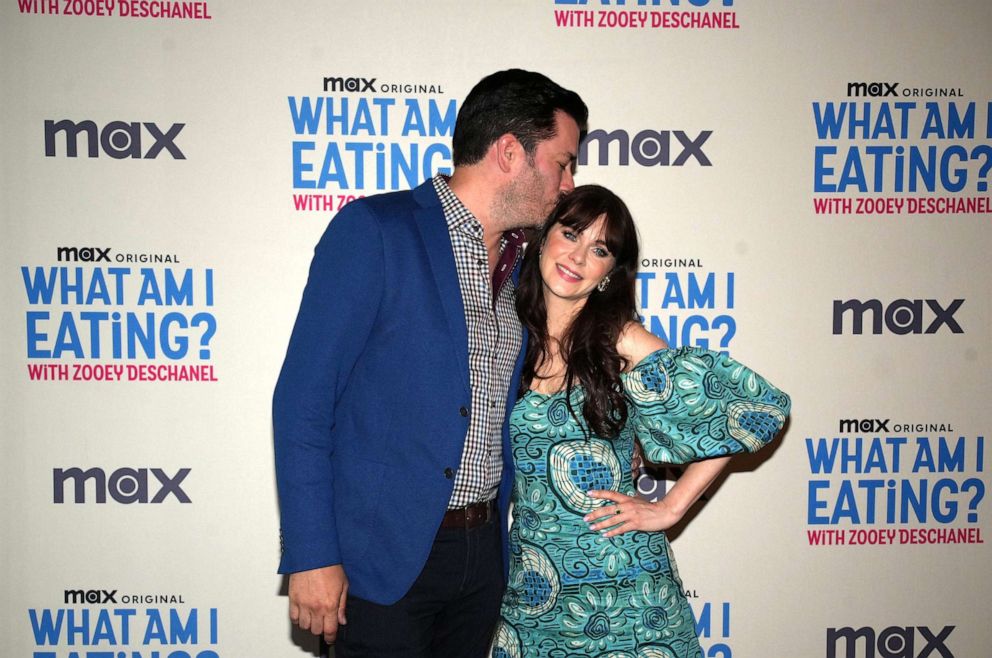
x=448, y=473
x=463, y=411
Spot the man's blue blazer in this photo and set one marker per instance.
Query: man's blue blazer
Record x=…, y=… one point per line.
x=372, y=404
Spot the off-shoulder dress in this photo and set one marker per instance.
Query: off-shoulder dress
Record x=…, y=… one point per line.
x=573, y=592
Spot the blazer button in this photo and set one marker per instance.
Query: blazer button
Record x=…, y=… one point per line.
x=463, y=411
x=448, y=473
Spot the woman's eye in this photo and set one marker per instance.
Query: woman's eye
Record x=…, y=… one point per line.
x=569, y=235
x=602, y=253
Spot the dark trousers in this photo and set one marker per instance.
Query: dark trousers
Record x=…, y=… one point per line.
x=449, y=612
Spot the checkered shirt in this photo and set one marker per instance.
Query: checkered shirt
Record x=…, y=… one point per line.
x=494, y=339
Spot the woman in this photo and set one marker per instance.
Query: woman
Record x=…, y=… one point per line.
x=590, y=571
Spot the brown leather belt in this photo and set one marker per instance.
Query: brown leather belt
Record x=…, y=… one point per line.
x=470, y=517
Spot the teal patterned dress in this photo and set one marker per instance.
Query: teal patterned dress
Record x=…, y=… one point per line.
x=572, y=592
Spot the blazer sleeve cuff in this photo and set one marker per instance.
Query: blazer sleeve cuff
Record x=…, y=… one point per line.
x=303, y=556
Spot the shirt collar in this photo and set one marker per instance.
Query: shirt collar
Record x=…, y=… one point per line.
x=457, y=216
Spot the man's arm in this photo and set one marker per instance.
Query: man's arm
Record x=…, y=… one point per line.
x=337, y=313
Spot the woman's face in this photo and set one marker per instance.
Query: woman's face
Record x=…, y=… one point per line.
x=573, y=262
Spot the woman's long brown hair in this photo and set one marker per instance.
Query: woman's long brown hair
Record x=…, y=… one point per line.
x=589, y=345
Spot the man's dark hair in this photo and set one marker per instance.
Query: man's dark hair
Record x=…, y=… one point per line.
x=522, y=103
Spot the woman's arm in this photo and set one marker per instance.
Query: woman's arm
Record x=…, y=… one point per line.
x=636, y=342
x=633, y=513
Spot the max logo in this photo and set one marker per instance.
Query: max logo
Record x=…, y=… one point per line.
x=903, y=316
x=349, y=84
x=873, y=89
x=84, y=254
x=90, y=596
x=648, y=148
x=892, y=642
x=118, y=139
x=125, y=485
x=864, y=425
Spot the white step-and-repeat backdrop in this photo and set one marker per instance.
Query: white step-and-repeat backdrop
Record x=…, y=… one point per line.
x=810, y=180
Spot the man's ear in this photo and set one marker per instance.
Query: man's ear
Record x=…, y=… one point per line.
x=509, y=152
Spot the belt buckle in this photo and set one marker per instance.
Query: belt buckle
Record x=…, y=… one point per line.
x=477, y=514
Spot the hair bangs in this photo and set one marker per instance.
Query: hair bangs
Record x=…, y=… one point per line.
x=583, y=208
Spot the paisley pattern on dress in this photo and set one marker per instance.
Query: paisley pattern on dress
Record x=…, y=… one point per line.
x=575, y=468
x=573, y=592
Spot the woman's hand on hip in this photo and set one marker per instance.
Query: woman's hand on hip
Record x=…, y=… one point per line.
x=627, y=513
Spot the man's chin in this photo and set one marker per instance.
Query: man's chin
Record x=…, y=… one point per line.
x=536, y=221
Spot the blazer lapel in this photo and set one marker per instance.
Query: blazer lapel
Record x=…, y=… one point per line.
x=437, y=244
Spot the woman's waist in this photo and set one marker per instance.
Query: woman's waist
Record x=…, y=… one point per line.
x=585, y=555
x=536, y=497
x=537, y=526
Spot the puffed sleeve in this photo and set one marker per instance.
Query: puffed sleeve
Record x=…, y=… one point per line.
x=689, y=403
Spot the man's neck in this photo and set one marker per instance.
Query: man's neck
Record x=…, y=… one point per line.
x=476, y=193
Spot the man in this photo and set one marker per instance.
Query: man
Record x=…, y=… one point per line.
x=389, y=414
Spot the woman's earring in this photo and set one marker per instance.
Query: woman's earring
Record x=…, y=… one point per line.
x=603, y=284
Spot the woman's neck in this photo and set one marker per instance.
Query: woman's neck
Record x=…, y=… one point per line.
x=560, y=314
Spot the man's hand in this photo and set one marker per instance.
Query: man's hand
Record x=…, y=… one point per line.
x=317, y=600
